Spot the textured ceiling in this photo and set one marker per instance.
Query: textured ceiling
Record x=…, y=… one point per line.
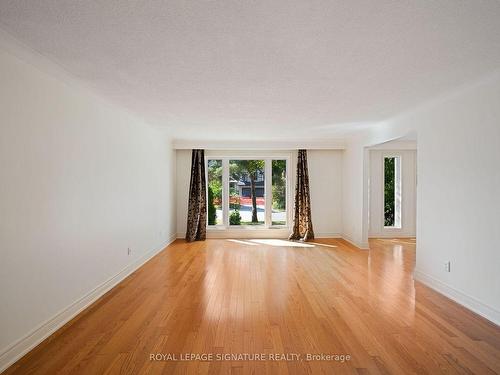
x=263, y=69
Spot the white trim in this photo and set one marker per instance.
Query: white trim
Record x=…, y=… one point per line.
x=225, y=192
x=398, y=165
x=18, y=349
x=246, y=154
x=268, y=193
x=397, y=234
x=319, y=144
x=375, y=223
x=461, y=298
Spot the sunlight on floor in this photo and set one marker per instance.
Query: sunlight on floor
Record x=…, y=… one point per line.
x=243, y=242
x=397, y=252
x=322, y=244
x=408, y=241
x=279, y=243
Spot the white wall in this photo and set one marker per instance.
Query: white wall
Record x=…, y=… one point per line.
x=81, y=181
x=353, y=180
x=408, y=194
x=325, y=183
x=325, y=179
x=458, y=203
x=183, y=170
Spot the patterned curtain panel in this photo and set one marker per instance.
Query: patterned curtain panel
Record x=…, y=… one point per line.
x=302, y=223
x=197, y=205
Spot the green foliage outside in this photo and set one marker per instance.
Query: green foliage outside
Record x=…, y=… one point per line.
x=235, y=218
x=215, y=178
x=212, y=213
x=233, y=191
x=216, y=187
x=214, y=190
x=389, y=183
x=279, y=184
x=234, y=199
x=239, y=169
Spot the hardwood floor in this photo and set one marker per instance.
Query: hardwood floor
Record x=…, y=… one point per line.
x=251, y=296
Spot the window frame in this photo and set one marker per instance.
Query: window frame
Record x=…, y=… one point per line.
x=268, y=157
x=388, y=155
x=216, y=226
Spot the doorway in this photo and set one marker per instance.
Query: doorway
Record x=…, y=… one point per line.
x=392, y=190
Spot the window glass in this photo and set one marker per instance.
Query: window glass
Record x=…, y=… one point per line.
x=278, y=216
x=214, y=188
x=392, y=192
x=247, y=202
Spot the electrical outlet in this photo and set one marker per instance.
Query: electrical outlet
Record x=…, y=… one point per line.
x=129, y=251
x=447, y=266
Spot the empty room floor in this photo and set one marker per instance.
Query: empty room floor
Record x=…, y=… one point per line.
x=285, y=301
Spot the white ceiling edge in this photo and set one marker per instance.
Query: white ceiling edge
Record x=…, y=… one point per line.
x=29, y=56
x=396, y=145
x=395, y=128
x=260, y=145
x=52, y=69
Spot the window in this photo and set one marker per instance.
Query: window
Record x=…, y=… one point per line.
x=278, y=216
x=214, y=187
x=247, y=192
x=392, y=192
x=247, y=202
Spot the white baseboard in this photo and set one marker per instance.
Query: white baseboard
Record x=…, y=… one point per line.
x=459, y=297
x=17, y=350
x=359, y=245
x=392, y=235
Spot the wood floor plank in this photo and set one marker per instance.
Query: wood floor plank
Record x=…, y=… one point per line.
x=230, y=297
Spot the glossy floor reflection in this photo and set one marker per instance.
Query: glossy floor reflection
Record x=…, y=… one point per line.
x=273, y=297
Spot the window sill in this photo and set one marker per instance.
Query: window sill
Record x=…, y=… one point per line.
x=216, y=228
x=241, y=231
